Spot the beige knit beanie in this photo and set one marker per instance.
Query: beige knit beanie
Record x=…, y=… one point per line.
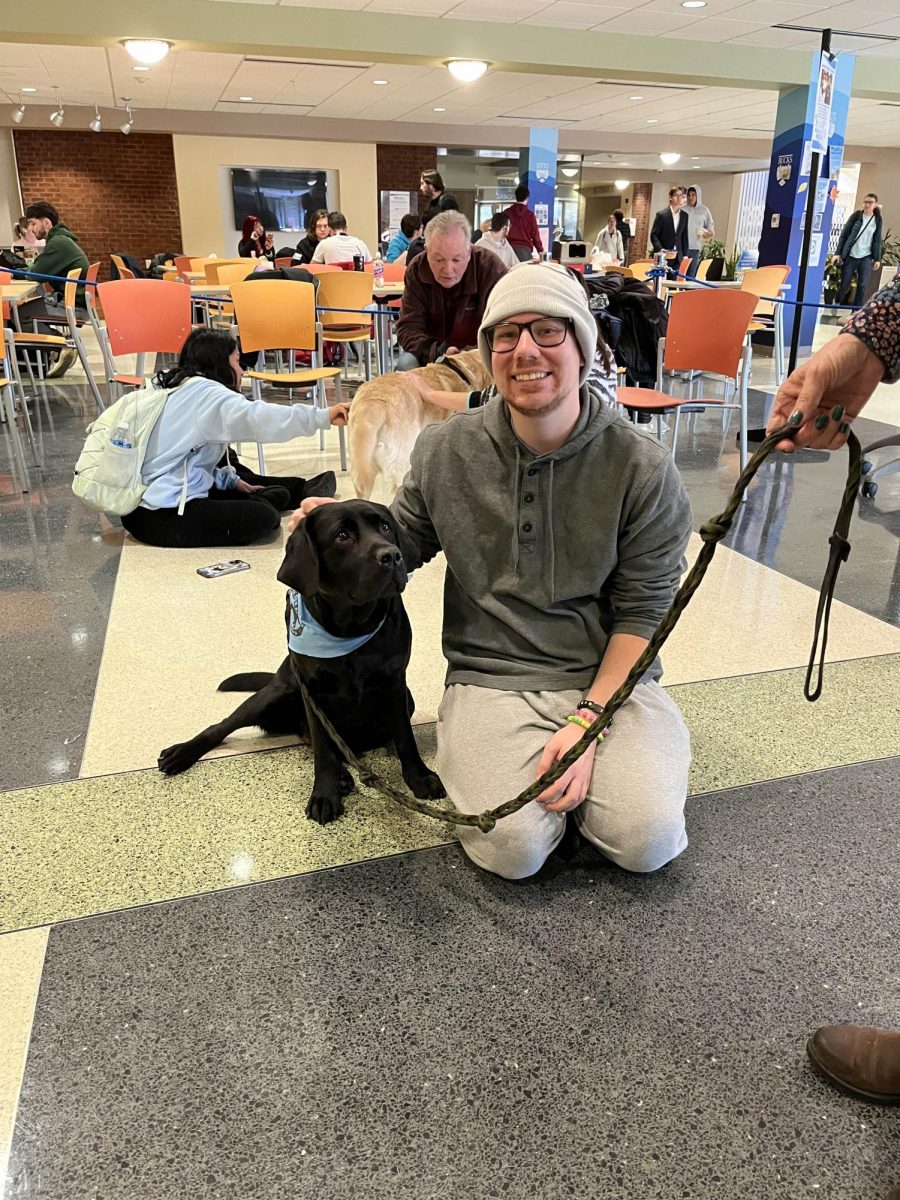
x=548, y=289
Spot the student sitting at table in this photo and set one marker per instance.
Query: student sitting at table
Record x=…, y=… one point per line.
x=317, y=230
x=187, y=454
x=341, y=247
x=255, y=242
x=410, y=228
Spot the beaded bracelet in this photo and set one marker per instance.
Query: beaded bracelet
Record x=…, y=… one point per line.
x=574, y=719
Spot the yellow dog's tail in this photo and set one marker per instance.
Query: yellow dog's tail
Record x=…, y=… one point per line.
x=363, y=428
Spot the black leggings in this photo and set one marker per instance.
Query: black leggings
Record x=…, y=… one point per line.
x=223, y=518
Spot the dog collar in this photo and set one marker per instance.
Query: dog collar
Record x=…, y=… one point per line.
x=306, y=635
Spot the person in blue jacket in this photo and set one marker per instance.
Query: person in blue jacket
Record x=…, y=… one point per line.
x=226, y=504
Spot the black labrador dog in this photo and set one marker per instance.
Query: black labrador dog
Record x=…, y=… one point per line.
x=345, y=566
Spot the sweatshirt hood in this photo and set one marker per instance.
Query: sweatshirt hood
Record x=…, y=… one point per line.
x=696, y=187
x=60, y=228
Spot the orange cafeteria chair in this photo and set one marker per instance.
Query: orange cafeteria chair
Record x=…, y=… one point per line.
x=219, y=272
x=75, y=322
x=702, y=268
x=707, y=332
x=279, y=314
x=394, y=272
x=143, y=316
x=346, y=290
x=125, y=272
x=640, y=268
x=768, y=281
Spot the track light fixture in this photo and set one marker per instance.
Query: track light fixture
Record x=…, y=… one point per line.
x=97, y=122
x=19, y=112
x=128, y=124
x=57, y=118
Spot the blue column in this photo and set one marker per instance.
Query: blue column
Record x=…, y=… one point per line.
x=537, y=171
x=789, y=183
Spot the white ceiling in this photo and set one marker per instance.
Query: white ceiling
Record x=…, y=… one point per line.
x=210, y=82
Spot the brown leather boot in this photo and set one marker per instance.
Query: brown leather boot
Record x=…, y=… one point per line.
x=859, y=1059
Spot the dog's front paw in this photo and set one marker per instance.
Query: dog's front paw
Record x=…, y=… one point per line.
x=324, y=807
x=175, y=759
x=426, y=785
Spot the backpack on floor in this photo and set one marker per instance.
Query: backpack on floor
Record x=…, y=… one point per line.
x=108, y=471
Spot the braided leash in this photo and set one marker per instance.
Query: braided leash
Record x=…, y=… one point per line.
x=712, y=532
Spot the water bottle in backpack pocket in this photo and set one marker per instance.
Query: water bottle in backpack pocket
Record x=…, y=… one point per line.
x=120, y=457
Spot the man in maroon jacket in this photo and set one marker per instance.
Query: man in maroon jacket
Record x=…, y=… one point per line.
x=523, y=235
x=445, y=293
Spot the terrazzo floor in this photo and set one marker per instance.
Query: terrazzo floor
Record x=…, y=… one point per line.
x=236, y=1002
x=412, y=1027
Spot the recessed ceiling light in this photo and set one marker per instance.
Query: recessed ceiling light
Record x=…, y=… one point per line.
x=140, y=68
x=652, y=121
x=467, y=70
x=147, y=50
x=635, y=97
x=380, y=82
x=569, y=172
x=693, y=3
x=245, y=98
x=621, y=184
x=695, y=158
x=695, y=168
x=670, y=158
x=28, y=89
x=439, y=110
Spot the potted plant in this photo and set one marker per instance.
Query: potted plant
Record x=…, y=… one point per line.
x=730, y=271
x=890, y=257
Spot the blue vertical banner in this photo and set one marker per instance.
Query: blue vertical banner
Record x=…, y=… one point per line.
x=537, y=171
x=808, y=117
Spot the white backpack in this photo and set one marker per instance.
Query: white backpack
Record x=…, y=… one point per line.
x=108, y=471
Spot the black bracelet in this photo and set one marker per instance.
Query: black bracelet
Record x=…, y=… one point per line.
x=597, y=709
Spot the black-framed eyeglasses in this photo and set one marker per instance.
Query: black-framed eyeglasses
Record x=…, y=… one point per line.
x=544, y=331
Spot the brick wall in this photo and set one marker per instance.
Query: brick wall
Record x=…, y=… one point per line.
x=640, y=208
x=114, y=192
x=400, y=168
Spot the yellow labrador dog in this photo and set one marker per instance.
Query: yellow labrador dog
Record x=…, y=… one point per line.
x=388, y=414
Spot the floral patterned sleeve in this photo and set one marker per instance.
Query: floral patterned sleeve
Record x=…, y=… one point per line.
x=878, y=326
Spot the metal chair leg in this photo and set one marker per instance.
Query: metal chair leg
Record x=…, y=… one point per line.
x=18, y=454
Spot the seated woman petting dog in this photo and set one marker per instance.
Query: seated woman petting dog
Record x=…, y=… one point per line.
x=187, y=453
x=564, y=528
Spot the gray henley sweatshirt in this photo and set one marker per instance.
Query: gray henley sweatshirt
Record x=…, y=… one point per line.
x=547, y=554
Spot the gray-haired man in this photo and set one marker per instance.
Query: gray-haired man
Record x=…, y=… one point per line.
x=445, y=291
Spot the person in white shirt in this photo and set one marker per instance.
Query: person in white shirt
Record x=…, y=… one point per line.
x=610, y=240
x=341, y=247
x=700, y=226
x=495, y=239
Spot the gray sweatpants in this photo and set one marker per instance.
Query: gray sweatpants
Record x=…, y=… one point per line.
x=489, y=745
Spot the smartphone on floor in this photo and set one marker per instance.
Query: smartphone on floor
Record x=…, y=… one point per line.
x=223, y=568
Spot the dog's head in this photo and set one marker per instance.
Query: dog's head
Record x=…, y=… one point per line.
x=351, y=552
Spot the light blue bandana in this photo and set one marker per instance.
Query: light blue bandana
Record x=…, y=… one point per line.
x=306, y=635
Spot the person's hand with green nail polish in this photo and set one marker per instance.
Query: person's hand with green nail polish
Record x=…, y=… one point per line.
x=824, y=394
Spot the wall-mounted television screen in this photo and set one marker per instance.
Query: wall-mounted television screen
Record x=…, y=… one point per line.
x=281, y=198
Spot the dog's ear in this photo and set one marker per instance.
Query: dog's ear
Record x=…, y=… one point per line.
x=300, y=568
